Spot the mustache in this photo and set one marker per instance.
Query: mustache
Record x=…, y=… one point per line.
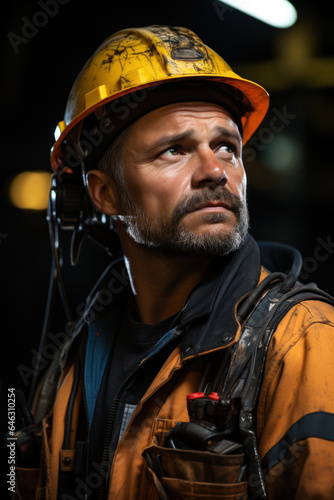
x=221, y=194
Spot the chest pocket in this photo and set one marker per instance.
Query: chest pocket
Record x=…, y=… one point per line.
x=192, y=475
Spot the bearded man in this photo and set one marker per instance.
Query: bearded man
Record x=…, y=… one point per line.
x=157, y=121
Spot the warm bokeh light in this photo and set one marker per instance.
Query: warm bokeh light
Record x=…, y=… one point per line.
x=30, y=190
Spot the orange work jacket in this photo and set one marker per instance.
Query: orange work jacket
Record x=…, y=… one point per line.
x=294, y=425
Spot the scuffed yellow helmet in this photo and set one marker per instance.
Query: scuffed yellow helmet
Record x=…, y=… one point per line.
x=139, y=69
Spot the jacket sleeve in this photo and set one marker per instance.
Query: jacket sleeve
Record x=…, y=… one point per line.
x=295, y=416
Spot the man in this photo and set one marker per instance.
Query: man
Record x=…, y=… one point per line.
x=157, y=121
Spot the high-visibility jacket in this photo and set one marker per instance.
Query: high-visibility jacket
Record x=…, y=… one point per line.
x=294, y=417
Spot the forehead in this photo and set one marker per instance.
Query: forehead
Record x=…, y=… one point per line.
x=175, y=116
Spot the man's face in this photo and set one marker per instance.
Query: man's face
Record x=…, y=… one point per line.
x=185, y=185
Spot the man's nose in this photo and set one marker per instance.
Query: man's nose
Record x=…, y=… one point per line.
x=208, y=170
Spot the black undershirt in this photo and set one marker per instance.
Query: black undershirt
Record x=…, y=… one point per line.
x=134, y=341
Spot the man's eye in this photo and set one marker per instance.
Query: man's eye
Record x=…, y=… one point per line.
x=172, y=151
x=228, y=148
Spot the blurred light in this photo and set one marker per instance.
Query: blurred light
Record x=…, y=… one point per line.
x=283, y=154
x=30, y=190
x=277, y=13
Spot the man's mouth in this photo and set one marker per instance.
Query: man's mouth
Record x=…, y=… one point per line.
x=212, y=206
x=207, y=202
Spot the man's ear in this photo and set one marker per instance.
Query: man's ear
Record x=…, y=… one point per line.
x=103, y=192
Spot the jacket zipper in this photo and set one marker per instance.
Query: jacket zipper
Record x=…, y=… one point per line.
x=112, y=414
x=82, y=351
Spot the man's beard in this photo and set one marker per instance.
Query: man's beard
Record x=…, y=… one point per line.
x=172, y=238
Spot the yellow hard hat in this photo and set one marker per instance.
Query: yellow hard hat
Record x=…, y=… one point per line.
x=138, y=69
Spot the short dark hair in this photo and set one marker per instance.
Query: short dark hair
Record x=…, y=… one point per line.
x=111, y=162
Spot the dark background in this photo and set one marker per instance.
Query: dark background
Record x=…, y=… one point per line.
x=290, y=173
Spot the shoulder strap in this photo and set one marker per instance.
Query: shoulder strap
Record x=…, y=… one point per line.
x=247, y=360
x=248, y=355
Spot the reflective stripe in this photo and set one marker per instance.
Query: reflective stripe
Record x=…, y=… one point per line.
x=313, y=425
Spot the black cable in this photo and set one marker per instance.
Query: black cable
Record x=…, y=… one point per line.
x=55, y=281
x=55, y=240
x=46, y=326
x=256, y=294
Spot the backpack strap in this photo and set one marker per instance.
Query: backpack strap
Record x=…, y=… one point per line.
x=246, y=362
x=243, y=378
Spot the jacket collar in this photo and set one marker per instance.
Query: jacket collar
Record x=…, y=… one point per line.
x=208, y=319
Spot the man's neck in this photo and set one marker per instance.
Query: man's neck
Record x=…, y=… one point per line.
x=161, y=283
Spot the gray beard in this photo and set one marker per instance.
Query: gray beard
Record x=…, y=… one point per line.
x=171, y=238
